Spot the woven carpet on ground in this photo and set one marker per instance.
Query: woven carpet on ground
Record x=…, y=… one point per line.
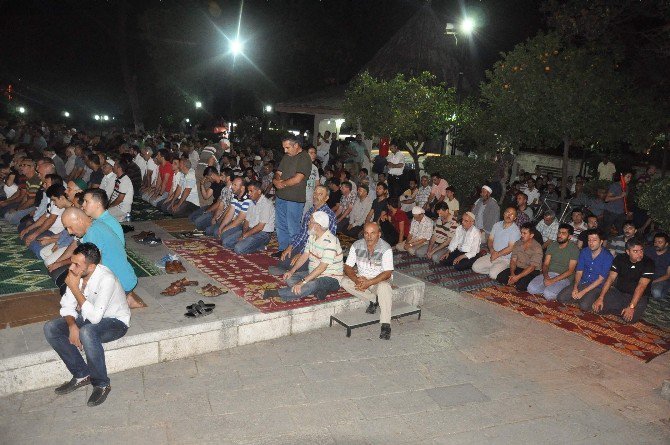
x=175, y=225
x=640, y=340
x=246, y=275
x=143, y=211
x=28, y=307
x=142, y=266
x=445, y=276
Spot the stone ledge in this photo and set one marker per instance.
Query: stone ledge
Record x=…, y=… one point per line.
x=43, y=369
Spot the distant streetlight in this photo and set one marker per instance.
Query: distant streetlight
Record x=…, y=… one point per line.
x=467, y=25
x=21, y=110
x=187, y=120
x=105, y=117
x=96, y=117
x=66, y=114
x=268, y=108
x=198, y=104
x=236, y=47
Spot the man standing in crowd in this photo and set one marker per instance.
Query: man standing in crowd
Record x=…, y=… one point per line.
x=616, y=205
x=372, y=258
x=323, y=255
x=593, y=267
x=627, y=289
x=558, y=267
x=501, y=241
x=93, y=311
x=486, y=210
x=606, y=170
x=525, y=262
x=396, y=166
x=291, y=184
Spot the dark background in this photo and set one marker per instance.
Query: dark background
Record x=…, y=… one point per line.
x=64, y=55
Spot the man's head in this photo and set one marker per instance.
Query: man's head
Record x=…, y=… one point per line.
x=424, y=181
x=345, y=187
x=362, y=192
x=635, y=249
x=549, y=217
x=451, y=192
x=485, y=193
x=334, y=184
x=381, y=190
x=371, y=233
x=436, y=178
x=661, y=241
x=45, y=168
x=577, y=216
x=212, y=174
x=318, y=223
x=312, y=152
x=594, y=239
x=108, y=166
x=95, y=202
x=393, y=146
x=526, y=232
x=120, y=167
x=321, y=195
x=75, y=221
x=509, y=215
x=363, y=173
x=468, y=220
x=564, y=233
x=591, y=222
x=255, y=190
x=530, y=183
x=521, y=200
x=57, y=195
x=442, y=210
x=629, y=230
x=84, y=259
x=627, y=175
x=184, y=165
x=418, y=213
x=412, y=184
x=291, y=145
x=72, y=189
x=146, y=153
x=237, y=186
x=393, y=203
x=93, y=161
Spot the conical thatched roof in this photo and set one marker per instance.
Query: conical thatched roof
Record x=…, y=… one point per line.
x=420, y=45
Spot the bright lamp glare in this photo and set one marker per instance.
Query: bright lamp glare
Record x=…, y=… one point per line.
x=21, y=110
x=468, y=25
x=235, y=47
x=268, y=108
x=105, y=117
x=66, y=114
x=96, y=117
x=198, y=104
x=187, y=120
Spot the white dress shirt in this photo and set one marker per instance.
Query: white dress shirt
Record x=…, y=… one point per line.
x=396, y=158
x=468, y=242
x=105, y=298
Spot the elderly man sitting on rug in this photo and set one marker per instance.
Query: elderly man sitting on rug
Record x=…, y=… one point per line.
x=93, y=311
x=371, y=280
x=259, y=223
x=324, y=272
x=290, y=256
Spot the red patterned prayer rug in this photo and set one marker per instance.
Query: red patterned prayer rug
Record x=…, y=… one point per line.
x=246, y=275
x=640, y=340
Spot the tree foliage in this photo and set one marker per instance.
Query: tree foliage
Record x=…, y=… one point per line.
x=653, y=197
x=412, y=110
x=465, y=174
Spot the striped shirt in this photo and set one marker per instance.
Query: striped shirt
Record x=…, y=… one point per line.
x=444, y=230
x=240, y=204
x=326, y=249
x=370, y=264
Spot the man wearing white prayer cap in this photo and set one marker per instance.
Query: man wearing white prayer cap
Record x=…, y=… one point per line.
x=486, y=211
x=325, y=270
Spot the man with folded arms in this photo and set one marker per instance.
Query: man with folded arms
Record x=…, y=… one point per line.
x=501, y=242
x=626, y=291
x=525, y=262
x=371, y=280
x=559, y=265
x=93, y=311
x=593, y=268
x=324, y=271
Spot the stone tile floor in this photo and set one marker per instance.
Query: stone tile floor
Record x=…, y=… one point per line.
x=468, y=372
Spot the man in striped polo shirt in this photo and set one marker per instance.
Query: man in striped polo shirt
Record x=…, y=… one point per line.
x=325, y=270
x=233, y=220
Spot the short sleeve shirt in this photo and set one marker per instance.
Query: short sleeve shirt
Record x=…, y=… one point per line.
x=124, y=186
x=113, y=254
x=502, y=237
x=444, y=231
x=527, y=257
x=290, y=166
x=440, y=189
x=560, y=258
x=262, y=211
x=661, y=262
x=166, y=170
x=629, y=273
x=326, y=249
x=592, y=268
x=370, y=264
x=396, y=158
x=378, y=207
x=615, y=206
x=399, y=217
x=189, y=182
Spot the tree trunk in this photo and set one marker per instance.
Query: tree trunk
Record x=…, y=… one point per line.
x=129, y=78
x=564, y=167
x=414, y=151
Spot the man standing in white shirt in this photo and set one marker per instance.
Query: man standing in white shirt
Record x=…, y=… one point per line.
x=395, y=161
x=464, y=247
x=606, y=170
x=121, y=200
x=93, y=311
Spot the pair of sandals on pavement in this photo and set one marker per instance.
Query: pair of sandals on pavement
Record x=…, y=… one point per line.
x=148, y=238
x=199, y=309
x=179, y=286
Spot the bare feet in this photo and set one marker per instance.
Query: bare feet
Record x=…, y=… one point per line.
x=134, y=302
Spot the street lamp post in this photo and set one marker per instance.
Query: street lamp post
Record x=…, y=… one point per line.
x=466, y=28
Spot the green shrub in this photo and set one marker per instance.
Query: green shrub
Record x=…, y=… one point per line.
x=463, y=173
x=653, y=197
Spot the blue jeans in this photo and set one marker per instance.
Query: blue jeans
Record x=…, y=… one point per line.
x=288, y=215
x=193, y=216
x=35, y=246
x=536, y=286
x=230, y=236
x=91, y=336
x=8, y=208
x=660, y=289
x=203, y=220
x=212, y=229
x=254, y=243
x=16, y=216
x=319, y=287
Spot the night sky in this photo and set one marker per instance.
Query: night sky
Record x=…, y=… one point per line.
x=62, y=56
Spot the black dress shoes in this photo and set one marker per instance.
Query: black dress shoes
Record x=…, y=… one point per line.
x=385, y=332
x=98, y=395
x=372, y=308
x=73, y=384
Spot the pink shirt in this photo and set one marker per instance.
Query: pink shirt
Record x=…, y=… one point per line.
x=440, y=189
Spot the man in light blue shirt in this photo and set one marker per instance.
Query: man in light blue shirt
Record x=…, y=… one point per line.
x=500, y=243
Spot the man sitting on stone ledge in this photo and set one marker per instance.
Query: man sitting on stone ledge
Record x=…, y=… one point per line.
x=290, y=256
x=324, y=273
x=93, y=311
x=371, y=280
x=626, y=290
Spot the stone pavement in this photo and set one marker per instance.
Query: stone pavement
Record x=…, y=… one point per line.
x=468, y=372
